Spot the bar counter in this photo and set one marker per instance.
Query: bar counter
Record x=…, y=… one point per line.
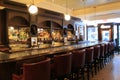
x=12, y=63
x=20, y=55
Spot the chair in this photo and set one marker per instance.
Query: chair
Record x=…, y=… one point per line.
x=102, y=54
x=89, y=60
x=61, y=68
x=96, y=57
x=105, y=53
x=111, y=49
x=78, y=62
x=35, y=71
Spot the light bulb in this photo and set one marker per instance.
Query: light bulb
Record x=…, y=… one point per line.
x=67, y=17
x=11, y=28
x=33, y=9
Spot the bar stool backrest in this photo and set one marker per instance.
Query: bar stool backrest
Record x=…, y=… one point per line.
x=78, y=58
x=96, y=52
x=37, y=71
x=89, y=54
x=62, y=64
x=102, y=50
x=106, y=48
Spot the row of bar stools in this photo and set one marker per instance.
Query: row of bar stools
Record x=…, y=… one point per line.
x=42, y=70
x=109, y=49
x=80, y=58
x=106, y=52
x=66, y=63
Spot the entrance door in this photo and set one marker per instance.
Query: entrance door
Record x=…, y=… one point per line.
x=105, y=32
x=105, y=35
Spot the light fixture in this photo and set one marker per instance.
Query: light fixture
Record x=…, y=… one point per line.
x=95, y=22
x=32, y=8
x=11, y=28
x=67, y=17
x=84, y=12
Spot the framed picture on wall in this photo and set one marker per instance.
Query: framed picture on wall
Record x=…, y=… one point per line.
x=33, y=41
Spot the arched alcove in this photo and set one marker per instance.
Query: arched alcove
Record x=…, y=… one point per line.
x=18, y=21
x=70, y=32
x=56, y=26
x=45, y=24
x=70, y=28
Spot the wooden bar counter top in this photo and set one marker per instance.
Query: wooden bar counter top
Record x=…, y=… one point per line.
x=31, y=53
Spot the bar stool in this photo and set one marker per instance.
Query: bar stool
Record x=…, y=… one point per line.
x=102, y=55
x=111, y=48
x=106, y=53
x=19, y=64
x=89, y=60
x=61, y=67
x=96, y=57
x=35, y=71
x=78, y=62
x=109, y=51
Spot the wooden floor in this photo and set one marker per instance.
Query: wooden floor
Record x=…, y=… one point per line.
x=111, y=71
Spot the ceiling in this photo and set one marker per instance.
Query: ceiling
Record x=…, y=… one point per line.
x=78, y=4
x=75, y=6
x=72, y=4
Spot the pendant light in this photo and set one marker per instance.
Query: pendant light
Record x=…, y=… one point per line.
x=67, y=16
x=84, y=11
x=95, y=23
x=32, y=8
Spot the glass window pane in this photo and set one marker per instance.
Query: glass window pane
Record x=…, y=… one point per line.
x=92, y=34
x=105, y=35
